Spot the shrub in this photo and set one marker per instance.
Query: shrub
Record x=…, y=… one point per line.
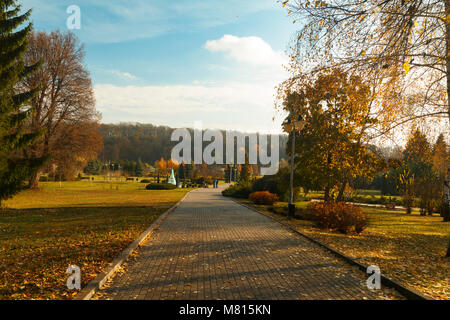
x=375, y=200
x=200, y=181
x=146, y=181
x=44, y=179
x=160, y=186
x=266, y=183
x=237, y=191
x=340, y=216
x=263, y=197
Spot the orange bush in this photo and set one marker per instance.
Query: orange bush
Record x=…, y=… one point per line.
x=340, y=216
x=263, y=197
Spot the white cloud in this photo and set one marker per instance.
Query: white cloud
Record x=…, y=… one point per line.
x=253, y=51
x=123, y=75
x=247, y=107
x=245, y=103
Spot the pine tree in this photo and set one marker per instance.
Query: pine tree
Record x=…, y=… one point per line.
x=227, y=173
x=187, y=171
x=245, y=172
x=194, y=171
x=139, y=169
x=181, y=172
x=441, y=157
x=14, y=115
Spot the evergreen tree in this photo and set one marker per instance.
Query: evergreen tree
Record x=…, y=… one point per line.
x=14, y=170
x=139, y=168
x=441, y=159
x=227, y=173
x=181, y=172
x=418, y=154
x=245, y=171
x=194, y=171
x=187, y=171
x=441, y=156
x=94, y=167
x=418, y=158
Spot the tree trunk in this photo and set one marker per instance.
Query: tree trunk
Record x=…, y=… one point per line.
x=447, y=13
x=448, y=250
x=327, y=194
x=445, y=210
x=33, y=183
x=446, y=201
x=340, y=196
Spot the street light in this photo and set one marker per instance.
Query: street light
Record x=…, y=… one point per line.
x=291, y=127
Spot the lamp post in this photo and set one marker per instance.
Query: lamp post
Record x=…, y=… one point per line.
x=292, y=126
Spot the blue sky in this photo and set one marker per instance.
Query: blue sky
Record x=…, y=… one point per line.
x=176, y=62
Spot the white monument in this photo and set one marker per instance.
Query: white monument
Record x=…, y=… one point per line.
x=172, y=179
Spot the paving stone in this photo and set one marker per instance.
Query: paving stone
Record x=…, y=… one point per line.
x=212, y=248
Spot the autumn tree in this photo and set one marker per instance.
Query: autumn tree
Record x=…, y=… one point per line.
x=400, y=45
x=161, y=166
x=66, y=100
x=14, y=101
x=331, y=147
x=172, y=164
x=419, y=162
x=74, y=147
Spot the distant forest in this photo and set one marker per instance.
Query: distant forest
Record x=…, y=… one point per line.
x=145, y=142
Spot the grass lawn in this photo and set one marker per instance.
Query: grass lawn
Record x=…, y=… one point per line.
x=83, y=223
x=92, y=194
x=409, y=248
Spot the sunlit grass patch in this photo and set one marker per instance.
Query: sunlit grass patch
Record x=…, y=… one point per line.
x=96, y=194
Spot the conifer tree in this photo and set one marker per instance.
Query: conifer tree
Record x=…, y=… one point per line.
x=227, y=173
x=181, y=172
x=245, y=171
x=139, y=169
x=14, y=114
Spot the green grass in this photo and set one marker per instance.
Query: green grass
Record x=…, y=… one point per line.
x=87, y=224
x=91, y=194
x=409, y=248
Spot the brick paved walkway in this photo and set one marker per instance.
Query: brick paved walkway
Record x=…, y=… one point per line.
x=213, y=248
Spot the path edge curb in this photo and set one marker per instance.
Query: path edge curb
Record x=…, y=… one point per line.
x=95, y=285
x=409, y=293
